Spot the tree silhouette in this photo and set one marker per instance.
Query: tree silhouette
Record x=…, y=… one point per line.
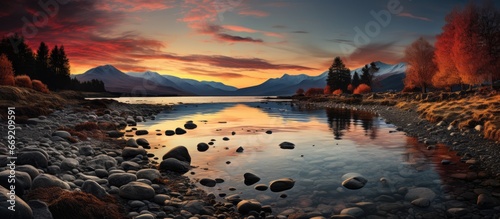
x=59, y=69
x=42, y=63
x=19, y=53
x=339, y=77
x=420, y=55
x=355, y=80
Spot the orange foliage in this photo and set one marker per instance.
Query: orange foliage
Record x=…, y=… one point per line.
x=314, y=91
x=337, y=92
x=39, y=86
x=362, y=89
x=350, y=87
x=6, y=71
x=327, y=90
x=23, y=81
x=421, y=69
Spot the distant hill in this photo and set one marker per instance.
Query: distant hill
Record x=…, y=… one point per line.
x=389, y=77
x=202, y=88
x=119, y=82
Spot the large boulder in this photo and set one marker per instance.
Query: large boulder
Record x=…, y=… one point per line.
x=22, y=180
x=22, y=210
x=137, y=191
x=45, y=181
x=180, y=153
x=33, y=158
x=280, y=185
x=246, y=206
x=174, y=165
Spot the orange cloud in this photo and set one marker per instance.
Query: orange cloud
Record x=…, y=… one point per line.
x=255, y=13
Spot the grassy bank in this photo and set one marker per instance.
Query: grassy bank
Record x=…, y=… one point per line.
x=479, y=110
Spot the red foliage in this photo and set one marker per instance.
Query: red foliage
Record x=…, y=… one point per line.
x=337, y=92
x=6, y=71
x=39, y=86
x=314, y=91
x=362, y=89
x=421, y=69
x=23, y=81
x=327, y=90
x=350, y=87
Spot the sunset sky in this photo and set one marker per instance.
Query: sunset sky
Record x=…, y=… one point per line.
x=238, y=42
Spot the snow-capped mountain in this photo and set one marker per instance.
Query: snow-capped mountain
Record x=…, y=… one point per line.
x=119, y=82
x=203, y=88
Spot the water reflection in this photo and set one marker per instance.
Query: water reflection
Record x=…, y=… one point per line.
x=340, y=119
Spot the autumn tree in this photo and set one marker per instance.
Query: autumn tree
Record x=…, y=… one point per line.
x=339, y=77
x=419, y=56
x=327, y=90
x=6, y=71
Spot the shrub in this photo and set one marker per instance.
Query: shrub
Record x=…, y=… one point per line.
x=337, y=92
x=314, y=91
x=362, y=89
x=327, y=90
x=6, y=71
x=39, y=86
x=350, y=87
x=23, y=81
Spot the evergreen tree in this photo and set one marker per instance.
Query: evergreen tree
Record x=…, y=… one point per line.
x=59, y=69
x=339, y=77
x=366, y=77
x=42, y=70
x=355, y=80
x=19, y=53
x=64, y=71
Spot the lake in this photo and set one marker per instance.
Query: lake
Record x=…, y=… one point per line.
x=329, y=143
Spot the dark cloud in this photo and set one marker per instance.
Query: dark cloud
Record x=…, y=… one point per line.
x=340, y=41
x=386, y=52
x=218, y=32
x=300, y=31
x=280, y=26
x=232, y=38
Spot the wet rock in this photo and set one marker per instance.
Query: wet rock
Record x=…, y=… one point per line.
x=233, y=133
x=130, y=165
x=287, y=145
x=174, y=165
x=150, y=174
x=246, y=206
x=261, y=187
x=180, y=153
x=240, y=149
x=45, y=181
x=22, y=210
x=119, y=179
x=141, y=132
x=354, y=211
x=269, y=132
x=40, y=209
x=190, y=125
x=202, y=147
x=225, y=139
x=94, y=188
x=281, y=184
x=115, y=134
x=137, y=191
x=208, y=182
x=169, y=132
x=142, y=142
x=180, y=131
x=250, y=179
x=356, y=182
x=420, y=192
x=130, y=152
x=132, y=143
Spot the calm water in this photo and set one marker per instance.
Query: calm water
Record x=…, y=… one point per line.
x=193, y=99
x=328, y=144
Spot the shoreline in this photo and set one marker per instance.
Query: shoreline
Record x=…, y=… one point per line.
x=176, y=195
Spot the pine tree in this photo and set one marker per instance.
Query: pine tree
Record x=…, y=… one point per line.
x=59, y=69
x=339, y=77
x=366, y=77
x=42, y=63
x=355, y=80
x=64, y=69
x=19, y=53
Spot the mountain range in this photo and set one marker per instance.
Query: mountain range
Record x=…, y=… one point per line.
x=388, y=77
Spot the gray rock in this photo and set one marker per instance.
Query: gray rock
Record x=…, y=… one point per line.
x=94, y=188
x=33, y=158
x=101, y=173
x=129, y=152
x=356, y=182
x=86, y=150
x=130, y=165
x=45, y=181
x=250, y=179
x=145, y=216
x=180, y=153
x=22, y=210
x=40, y=209
x=174, y=165
x=32, y=171
x=22, y=181
x=102, y=162
x=261, y=187
x=246, y=206
x=195, y=207
x=485, y=201
x=202, y=147
x=287, y=145
x=208, y=182
x=421, y=202
x=141, y=132
x=354, y=211
x=69, y=164
x=119, y=179
x=142, y=142
x=151, y=174
x=62, y=134
x=132, y=143
x=457, y=212
x=420, y=192
x=137, y=191
x=281, y=184
x=115, y=134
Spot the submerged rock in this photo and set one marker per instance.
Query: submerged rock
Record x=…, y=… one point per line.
x=356, y=182
x=287, y=145
x=250, y=179
x=180, y=131
x=240, y=149
x=281, y=184
x=174, y=165
x=208, y=182
x=169, y=132
x=246, y=206
x=190, y=125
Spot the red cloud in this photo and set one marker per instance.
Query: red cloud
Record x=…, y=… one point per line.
x=136, y=5
x=409, y=15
